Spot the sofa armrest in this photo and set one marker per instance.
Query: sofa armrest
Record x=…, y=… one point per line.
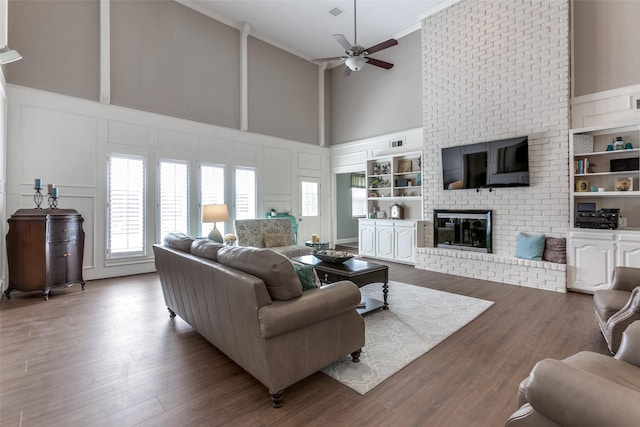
x=572, y=397
x=629, y=350
x=312, y=307
x=625, y=278
x=619, y=321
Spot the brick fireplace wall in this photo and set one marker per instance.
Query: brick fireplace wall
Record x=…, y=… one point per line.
x=495, y=70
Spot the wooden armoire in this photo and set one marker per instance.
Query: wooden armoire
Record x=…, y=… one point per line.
x=44, y=250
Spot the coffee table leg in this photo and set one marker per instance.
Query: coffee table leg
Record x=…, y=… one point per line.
x=385, y=291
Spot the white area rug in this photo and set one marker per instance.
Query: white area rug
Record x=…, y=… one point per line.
x=418, y=320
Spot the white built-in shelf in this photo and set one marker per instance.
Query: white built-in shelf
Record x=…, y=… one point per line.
x=606, y=173
x=607, y=194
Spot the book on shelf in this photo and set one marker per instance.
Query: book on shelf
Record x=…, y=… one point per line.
x=581, y=166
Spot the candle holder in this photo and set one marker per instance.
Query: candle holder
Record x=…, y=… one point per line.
x=37, y=198
x=53, y=202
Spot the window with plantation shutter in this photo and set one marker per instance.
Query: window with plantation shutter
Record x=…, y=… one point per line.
x=359, y=202
x=125, y=209
x=358, y=195
x=173, y=209
x=211, y=193
x=245, y=193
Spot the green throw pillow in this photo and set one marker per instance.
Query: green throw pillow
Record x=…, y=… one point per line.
x=530, y=246
x=306, y=275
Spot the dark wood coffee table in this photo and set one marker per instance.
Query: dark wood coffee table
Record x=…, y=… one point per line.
x=357, y=271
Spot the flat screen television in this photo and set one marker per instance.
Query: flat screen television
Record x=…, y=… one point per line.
x=501, y=163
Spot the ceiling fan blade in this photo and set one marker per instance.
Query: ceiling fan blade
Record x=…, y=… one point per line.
x=333, y=58
x=343, y=41
x=381, y=46
x=378, y=63
x=347, y=71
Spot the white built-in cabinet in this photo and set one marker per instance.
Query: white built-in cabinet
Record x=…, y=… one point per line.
x=392, y=180
x=600, y=170
x=596, y=163
x=393, y=240
x=593, y=254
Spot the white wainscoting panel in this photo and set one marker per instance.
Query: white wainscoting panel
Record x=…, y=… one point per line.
x=174, y=140
x=604, y=108
x=127, y=133
x=52, y=138
x=66, y=140
x=309, y=161
x=276, y=164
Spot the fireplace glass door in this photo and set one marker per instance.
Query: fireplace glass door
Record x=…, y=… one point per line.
x=464, y=230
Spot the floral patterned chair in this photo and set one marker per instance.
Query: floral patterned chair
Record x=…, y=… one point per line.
x=275, y=234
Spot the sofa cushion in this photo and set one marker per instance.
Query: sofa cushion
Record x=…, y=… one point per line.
x=205, y=248
x=178, y=241
x=555, y=250
x=530, y=246
x=275, y=269
x=608, y=302
x=274, y=239
x=617, y=371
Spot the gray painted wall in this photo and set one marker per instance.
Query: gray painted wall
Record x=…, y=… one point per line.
x=374, y=101
x=60, y=46
x=172, y=60
x=346, y=225
x=165, y=58
x=283, y=93
x=606, y=48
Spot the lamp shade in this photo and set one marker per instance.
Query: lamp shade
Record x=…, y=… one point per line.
x=214, y=213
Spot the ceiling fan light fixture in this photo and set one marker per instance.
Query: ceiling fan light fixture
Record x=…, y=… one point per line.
x=355, y=63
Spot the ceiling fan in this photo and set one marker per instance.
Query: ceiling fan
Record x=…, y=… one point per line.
x=356, y=56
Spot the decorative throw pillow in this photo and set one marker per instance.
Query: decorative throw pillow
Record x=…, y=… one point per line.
x=530, y=246
x=274, y=239
x=555, y=250
x=308, y=276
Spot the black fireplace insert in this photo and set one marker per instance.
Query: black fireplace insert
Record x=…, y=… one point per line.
x=467, y=230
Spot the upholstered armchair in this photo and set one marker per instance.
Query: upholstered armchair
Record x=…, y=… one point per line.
x=587, y=389
x=619, y=306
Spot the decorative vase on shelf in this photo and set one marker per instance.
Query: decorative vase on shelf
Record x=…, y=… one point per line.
x=618, y=143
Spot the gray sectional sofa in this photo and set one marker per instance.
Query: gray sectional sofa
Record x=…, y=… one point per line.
x=249, y=303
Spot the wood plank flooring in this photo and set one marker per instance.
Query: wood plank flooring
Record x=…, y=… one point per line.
x=111, y=356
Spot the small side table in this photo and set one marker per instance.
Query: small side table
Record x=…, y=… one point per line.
x=317, y=246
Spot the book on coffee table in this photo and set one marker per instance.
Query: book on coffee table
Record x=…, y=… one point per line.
x=362, y=304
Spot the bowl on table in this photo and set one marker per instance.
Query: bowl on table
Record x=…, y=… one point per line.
x=331, y=255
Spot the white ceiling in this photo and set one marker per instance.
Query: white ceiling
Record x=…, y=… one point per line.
x=304, y=27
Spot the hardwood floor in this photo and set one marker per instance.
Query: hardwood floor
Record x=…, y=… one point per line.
x=110, y=355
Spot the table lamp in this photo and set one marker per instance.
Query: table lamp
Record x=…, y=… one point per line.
x=215, y=213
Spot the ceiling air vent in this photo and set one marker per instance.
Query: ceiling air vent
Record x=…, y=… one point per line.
x=336, y=11
x=396, y=142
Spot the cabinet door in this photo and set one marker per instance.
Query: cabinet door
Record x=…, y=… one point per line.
x=73, y=267
x=591, y=263
x=405, y=243
x=628, y=254
x=384, y=242
x=56, y=263
x=367, y=240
